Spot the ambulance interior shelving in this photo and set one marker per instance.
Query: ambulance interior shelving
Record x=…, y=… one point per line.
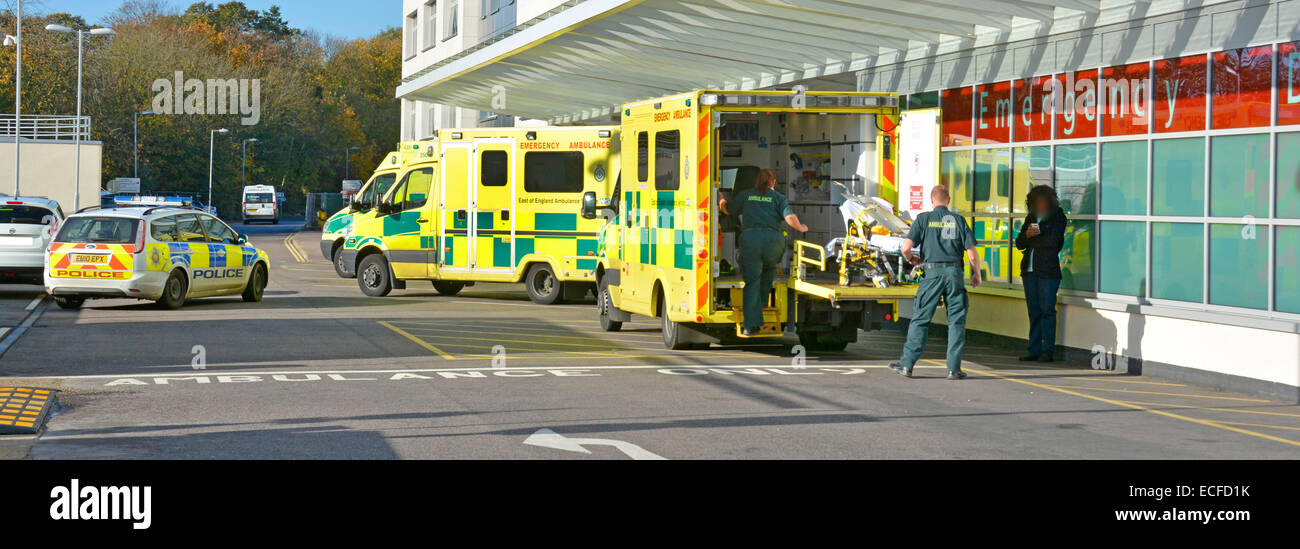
x=820, y=160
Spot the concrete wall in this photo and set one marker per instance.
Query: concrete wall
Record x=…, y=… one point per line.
x=49, y=169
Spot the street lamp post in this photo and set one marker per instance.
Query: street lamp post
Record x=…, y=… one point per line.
x=76, y=190
x=135, y=139
x=212, y=151
x=244, y=168
x=17, y=42
x=347, y=161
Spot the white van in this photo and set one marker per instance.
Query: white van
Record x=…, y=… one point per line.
x=260, y=204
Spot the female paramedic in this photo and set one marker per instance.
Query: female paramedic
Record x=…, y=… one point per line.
x=762, y=212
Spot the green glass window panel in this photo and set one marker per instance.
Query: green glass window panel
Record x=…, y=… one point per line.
x=1239, y=265
x=1032, y=166
x=1123, y=257
x=1239, y=173
x=1076, y=178
x=1178, y=261
x=1288, y=175
x=924, y=100
x=1178, y=177
x=1124, y=178
x=955, y=172
x=1287, y=293
x=992, y=190
x=1076, y=256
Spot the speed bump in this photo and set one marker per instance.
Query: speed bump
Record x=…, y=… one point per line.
x=23, y=410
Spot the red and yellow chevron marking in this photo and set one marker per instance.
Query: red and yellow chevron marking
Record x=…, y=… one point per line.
x=888, y=180
x=69, y=260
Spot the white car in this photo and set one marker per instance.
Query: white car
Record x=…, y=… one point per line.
x=27, y=224
x=166, y=254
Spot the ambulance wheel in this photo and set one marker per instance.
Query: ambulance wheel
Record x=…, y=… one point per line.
x=448, y=288
x=373, y=276
x=543, y=287
x=605, y=304
x=339, y=267
x=173, y=296
x=256, y=284
x=70, y=302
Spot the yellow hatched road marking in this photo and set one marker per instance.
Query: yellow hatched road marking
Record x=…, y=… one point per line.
x=417, y=340
x=1216, y=408
x=1136, y=407
x=1184, y=395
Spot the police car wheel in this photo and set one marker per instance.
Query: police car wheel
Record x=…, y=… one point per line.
x=339, y=268
x=605, y=304
x=543, y=287
x=373, y=276
x=256, y=284
x=70, y=302
x=173, y=296
x=448, y=288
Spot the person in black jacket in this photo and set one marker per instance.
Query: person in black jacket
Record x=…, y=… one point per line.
x=1041, y=238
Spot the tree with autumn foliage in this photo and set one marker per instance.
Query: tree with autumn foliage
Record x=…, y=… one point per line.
x=319, y=95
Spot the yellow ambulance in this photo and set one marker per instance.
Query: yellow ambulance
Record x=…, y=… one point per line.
x=362, y=205
x=668, y=253
x=491, y=205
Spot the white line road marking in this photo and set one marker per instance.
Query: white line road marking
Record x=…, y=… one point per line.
x=547, y=438
x=11, y=336
x=34, y=303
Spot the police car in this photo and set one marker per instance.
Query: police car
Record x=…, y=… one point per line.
x=167, y=254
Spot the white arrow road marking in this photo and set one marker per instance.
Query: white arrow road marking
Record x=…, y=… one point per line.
x=547, y=438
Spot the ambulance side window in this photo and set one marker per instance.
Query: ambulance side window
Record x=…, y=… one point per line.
x=413, y=191
x=554, y=172
x=494, y=166
x=643, y=157
x=667, y=160
x=163, y=229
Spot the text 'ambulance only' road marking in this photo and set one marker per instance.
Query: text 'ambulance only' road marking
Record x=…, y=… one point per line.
x=470, y=373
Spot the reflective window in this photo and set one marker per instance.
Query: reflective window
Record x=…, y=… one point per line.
x=1243, y=88
x=1287, y=293
x=554, y=172
x=1239, y=265
x=1076, y=256
x=1239, y=175
x=955, y=173
x=1126, y=92
x=1123, y=257
x=1124, y=178
x=643, y=157
x=1178, y=261
x=1076, y=178
x=993, y=242
x=1033, y=167
x=98, y=230
x=495, y=169
x=993, y=113
x=189, y=228
x=163, y=229
x=1180, y=94
x=991, y=192
x=218, y=232
x=957, y=117
x=1288, y=83
x=1077, y=116
x=667, y=160
x=1178, y=177
x=1288, y=175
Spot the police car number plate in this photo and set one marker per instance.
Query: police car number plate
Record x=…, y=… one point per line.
x=88, y=258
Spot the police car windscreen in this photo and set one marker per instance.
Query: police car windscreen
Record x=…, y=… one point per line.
x=98, y=230
x=25, y=215
x=259, y=198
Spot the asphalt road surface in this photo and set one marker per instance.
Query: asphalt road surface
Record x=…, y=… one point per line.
x=319, y=370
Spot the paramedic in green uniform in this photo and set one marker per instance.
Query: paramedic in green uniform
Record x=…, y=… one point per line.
x=944, y=237
x=763, y=212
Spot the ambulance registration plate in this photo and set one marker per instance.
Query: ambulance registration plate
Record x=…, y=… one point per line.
x=93, y=259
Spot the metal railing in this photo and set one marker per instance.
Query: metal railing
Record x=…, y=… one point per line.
x=45, y=126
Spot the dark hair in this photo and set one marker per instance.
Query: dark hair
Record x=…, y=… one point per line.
x=766, y=180
x=1042, y=191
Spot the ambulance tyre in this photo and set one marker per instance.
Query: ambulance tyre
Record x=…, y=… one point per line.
x=256, y=284
x=605, y=304
x=173, y=296
x=373, y=276
x=70, y=302
x=674, y=337
x=337, y=259
x=543, y=287
x=448, y=288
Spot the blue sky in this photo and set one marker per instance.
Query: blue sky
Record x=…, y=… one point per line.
x=342, y=18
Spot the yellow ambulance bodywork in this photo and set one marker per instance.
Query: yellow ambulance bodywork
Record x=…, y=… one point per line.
x=659, y=256
x=494, y=205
